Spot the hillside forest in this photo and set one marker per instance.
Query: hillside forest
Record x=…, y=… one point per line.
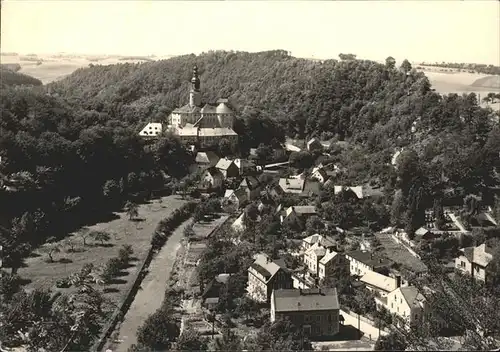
x=71, y=149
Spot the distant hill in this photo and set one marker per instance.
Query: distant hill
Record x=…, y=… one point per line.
x=11, y=78
x=12, y=67
x=487, y=82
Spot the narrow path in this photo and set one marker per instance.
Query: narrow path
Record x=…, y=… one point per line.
x=150, y=296
x=368, y=329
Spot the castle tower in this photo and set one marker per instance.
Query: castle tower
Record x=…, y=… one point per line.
x=194, y=94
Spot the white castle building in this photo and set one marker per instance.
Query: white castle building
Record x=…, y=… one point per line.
x=196, y=124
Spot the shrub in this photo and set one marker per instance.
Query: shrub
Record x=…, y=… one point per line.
x=124, y=254
x=63, y=283
x=158, y=331
x=166, y=226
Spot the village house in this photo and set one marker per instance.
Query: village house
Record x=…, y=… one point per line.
x=361, y=262
x=206, y=160
x=292, y=185
x=273, y=192
x=234, y=199
x=246, y=167
x=325, y=241
x=152, y=129
x=315, y=310
x=267, y=274
x=298, y=213
x=330, y=261
x=406, y=302
x=379, y=283
x=228, y=168
x=211, y=178
x=474, y=261
x=358, y=190
x=210, y=295
x=318, y=173
x=251, y=186
x=314, y=144
x=312, y=257
x=239, y=224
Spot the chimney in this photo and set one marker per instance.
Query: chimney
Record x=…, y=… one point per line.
x=398, y=281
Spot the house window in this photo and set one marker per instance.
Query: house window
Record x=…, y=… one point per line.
x=477, y=269
x=462, y=264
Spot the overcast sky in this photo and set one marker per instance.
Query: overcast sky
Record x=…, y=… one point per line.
x=448, y=30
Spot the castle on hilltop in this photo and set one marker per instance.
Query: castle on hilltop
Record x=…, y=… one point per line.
x=196, y=124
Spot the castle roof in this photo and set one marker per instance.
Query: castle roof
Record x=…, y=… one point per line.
x=222, y=108
x=208, y=109
x=187, y=109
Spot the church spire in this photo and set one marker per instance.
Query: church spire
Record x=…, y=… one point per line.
x=195, y=81
x=194, y=94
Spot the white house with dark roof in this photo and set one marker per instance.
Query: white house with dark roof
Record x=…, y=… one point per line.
x=211, y=178
x=330, y=261
x=406, y=302
x=228, y=168
x=362, y=262
x=265, y=275
x=319, y=174
x=251, y=186
x=312, y=257
x=239, y=224
x=298, y=212
x=325, y=241
x=234, y=198
x=474, y=261
x=245, y=166
x=152, y=129
x=315, y=310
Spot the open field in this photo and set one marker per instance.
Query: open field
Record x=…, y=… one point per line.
x=49, y=68
x=123, y=231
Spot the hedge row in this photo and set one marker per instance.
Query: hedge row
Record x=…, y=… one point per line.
x=166, y=226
